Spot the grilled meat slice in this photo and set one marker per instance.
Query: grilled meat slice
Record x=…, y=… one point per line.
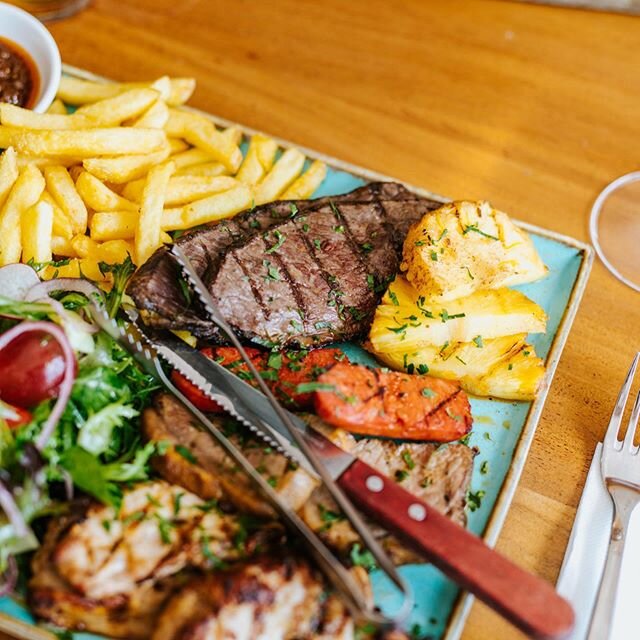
x=305, y=272
x=159, y=530
x=440, y=475
x=195, y=461
x=52, y=598
x=268, y=599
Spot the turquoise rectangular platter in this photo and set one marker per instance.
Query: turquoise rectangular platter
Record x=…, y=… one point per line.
x=502, y=431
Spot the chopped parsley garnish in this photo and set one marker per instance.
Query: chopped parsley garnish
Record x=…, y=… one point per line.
x=476, y=229
x=317, y=244
x=394, y=298
x=423, y=369
x=339, y=228
x=362, y=557
x=443, y=234
x=371, y=283
x=444, y=347
x=366, y=247
x=401, y=475
x=400, y=329
x=459, y=359
x=510, y=367
x=293, y=209
x=275, y=360
x=310, y=387
x=478, y=342
x=469, y=274
x=474, y=499
x=484, y=467
x=177, y=499
x=280, y=238
x=526, y=353
x=434, y=256
x=419, y=243
x=272, y=482
x=328, y=517
x=305, y=227
x=164, y=527
x=212, y=559
x=428, y=393
x=444, y=315
x=186, y=454
x=272, y=272
x=408, y=460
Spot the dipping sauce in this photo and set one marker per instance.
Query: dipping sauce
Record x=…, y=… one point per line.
x=19, y=80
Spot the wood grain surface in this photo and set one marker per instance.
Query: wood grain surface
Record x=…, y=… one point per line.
x=532, y=107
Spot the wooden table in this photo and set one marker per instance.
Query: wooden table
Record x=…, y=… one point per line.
x=532, y=107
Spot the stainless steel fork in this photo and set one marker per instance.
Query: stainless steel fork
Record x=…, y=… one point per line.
x=620, y=468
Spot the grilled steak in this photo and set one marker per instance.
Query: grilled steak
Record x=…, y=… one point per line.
x=289, y=273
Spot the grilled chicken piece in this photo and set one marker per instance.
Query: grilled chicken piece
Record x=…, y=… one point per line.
x=213, y=474
x=159, y=530
x=269, y=599
x=127, y=616
x=440, y=475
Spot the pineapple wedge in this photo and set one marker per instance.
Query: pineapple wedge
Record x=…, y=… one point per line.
x=404, y=321
x=463, y=247
x=505, y=367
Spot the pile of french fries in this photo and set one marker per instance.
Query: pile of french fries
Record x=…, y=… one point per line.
x=125, y=169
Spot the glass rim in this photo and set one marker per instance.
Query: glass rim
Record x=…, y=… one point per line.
x=594, y=219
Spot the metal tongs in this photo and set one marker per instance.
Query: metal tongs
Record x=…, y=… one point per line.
x=132, y=340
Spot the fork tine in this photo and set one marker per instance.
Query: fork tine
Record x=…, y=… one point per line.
x=611, y=437
x=633, y=424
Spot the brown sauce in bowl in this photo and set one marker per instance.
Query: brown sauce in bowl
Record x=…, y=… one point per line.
x=19, y=79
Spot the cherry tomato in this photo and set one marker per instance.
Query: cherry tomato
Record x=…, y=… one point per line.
x=199, y=399
x=32, y=367
x=22, y=417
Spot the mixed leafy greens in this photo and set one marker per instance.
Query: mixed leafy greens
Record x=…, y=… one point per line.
x=96, y=444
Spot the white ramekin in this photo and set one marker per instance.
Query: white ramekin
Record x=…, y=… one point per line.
x=28, y=32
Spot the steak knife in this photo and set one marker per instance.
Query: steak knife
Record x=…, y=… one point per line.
x=527, y=601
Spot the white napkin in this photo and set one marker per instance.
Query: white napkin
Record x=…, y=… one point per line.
x=584, y=561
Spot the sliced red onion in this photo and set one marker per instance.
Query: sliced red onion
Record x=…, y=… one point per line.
x=44, y=289
x=12, y=511
x=10, y=577
x=70, y=317
x=64, y=391
x=16, y=280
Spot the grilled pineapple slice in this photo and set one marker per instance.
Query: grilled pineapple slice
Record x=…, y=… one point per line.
x=405, y=321
x=505, y=367
x=464, y=247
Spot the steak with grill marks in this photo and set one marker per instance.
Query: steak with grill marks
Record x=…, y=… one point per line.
x=290, y=273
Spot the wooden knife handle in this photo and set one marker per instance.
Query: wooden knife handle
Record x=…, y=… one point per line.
x=527, y=601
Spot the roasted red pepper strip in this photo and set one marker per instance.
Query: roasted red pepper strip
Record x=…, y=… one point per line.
x=282, y=371
x=392, y=405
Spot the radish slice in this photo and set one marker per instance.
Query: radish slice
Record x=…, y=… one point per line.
x=44, y=289
x=64, y=391
x=16, y=280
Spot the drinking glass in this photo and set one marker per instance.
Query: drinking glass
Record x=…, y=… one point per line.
x=614, y=226
x=50, y=9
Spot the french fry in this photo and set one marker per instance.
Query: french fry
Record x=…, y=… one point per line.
x=113, y=225
x=8, y=173
x=89, y=267
x=190, y=158
x=62, y=226
x=125, y=168
x=14, y=116
x=177, y=145
x=165, y=238
x=37, y=226
x=83, y=246
x=147, y=236
x=216, y=207
x=113, y=111
x=62, y=247
x=75, y=172
x=305, y=186
x=25, y=192
x=259, y=159
x=183, y=189
x=57, y=107
x=207, y=169
x=181, y=90
x=82, y=142
x=233, y=134
x=202, y=133
x=114, y=251
x=97, y=196
x=155, y=117
x=163, y=86
x=60, y=186
x=69, y=270
x=41, y=162
x=75, y=91
x=283, y=173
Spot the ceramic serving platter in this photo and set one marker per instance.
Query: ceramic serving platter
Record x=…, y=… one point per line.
x=502, y=432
